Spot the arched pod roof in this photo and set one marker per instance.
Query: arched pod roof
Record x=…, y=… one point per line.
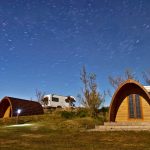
x=27, y=107
x=125, y=89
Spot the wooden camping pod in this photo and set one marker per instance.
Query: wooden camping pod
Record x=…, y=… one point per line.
x=124, y=90
x=10, y=105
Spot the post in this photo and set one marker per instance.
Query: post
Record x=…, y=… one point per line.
x=18, y=113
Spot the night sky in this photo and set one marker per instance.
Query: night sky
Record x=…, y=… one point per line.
x=45, y=43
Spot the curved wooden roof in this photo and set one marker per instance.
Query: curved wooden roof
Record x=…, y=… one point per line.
x=27, y=107
x=125, y=89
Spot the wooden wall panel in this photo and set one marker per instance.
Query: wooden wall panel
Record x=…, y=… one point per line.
x=122, y=114
x=146, y=110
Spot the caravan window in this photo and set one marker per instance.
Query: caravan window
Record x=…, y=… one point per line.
x=55, y=99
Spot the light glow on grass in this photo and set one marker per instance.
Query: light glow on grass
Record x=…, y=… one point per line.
x=19, y=125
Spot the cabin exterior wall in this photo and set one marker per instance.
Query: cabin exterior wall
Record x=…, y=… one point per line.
x=123, y=112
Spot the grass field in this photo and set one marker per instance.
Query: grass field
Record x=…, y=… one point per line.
x=51, y=132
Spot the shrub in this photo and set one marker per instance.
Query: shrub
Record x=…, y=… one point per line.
x=82, y=112
x=67, y=114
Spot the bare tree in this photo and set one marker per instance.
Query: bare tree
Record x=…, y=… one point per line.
x=129, y=74
x=91, y=99
x=40, y=97
x=116, y=81
x=146, y=76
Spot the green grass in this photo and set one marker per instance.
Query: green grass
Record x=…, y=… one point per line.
x=52, y=132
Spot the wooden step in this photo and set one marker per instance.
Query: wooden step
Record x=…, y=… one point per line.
x=126, y=123
x=121, y=128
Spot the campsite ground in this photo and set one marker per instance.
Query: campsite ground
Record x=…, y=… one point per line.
x=50, y=132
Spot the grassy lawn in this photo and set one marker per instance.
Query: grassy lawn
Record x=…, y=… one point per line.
x=55, y=133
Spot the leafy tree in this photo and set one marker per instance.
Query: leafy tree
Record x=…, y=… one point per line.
x=45, y=101
x=91, y=99
x=104, y=111
x=70, y=100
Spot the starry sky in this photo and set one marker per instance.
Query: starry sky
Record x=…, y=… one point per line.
x=45, y=43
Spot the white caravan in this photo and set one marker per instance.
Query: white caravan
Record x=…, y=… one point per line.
x=147, y=88
x=58, y=101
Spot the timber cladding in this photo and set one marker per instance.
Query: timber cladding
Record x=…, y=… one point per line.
x=13, y=104
x=123, y=111
x=119, y=107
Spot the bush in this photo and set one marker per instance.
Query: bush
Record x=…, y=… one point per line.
x=67, y=114
x=82, y=112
